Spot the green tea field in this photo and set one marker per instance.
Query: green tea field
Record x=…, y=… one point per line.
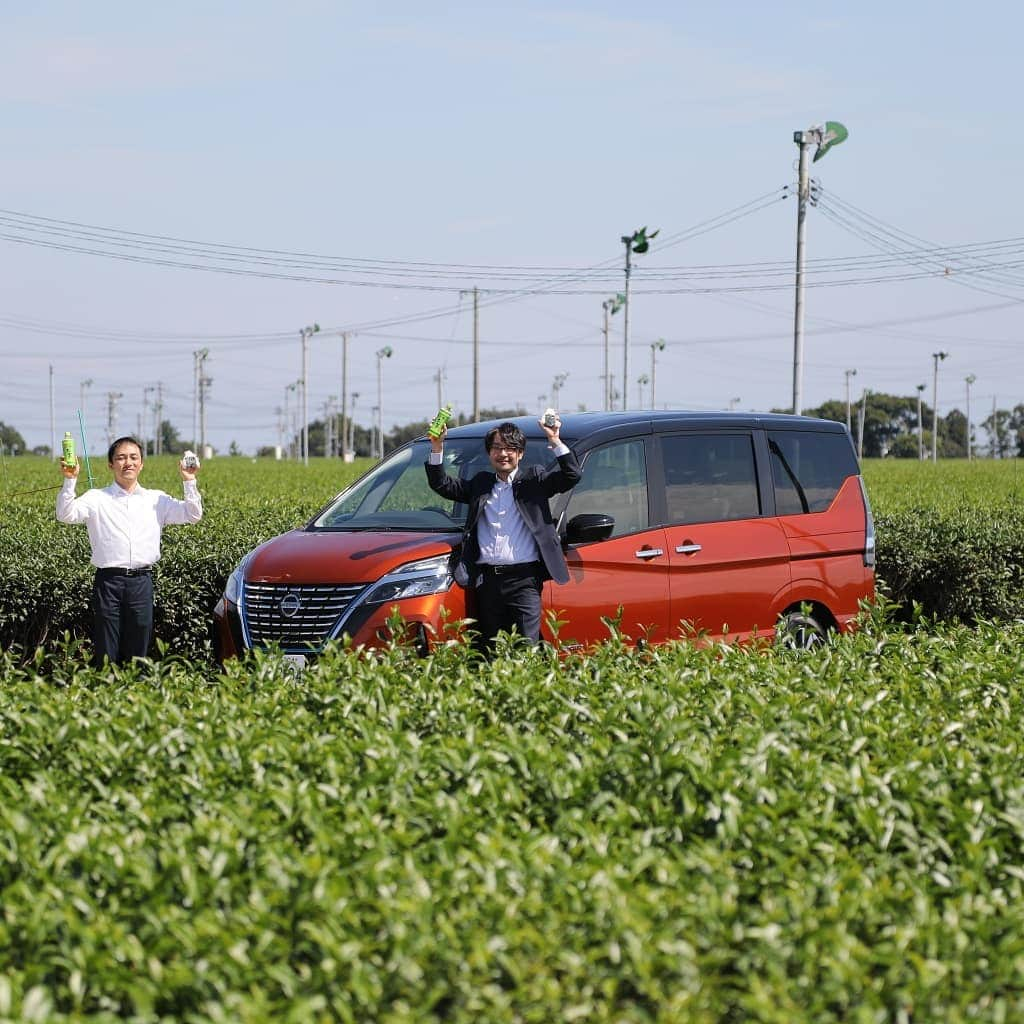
x=670, y=835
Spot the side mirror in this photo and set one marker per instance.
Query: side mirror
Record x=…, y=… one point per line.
x=588, y=527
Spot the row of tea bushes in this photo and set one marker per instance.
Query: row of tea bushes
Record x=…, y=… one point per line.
x=960, y=558
x=688, y=835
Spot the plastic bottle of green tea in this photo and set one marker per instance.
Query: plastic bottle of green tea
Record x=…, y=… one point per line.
x=68, y=449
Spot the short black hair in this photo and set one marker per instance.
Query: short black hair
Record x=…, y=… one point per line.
x=509, y=435
x=124, y=440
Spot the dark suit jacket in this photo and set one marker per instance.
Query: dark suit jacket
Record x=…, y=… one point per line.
x=531, y=489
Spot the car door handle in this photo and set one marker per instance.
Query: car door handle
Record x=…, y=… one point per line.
x=648, y=552
x=687, y=549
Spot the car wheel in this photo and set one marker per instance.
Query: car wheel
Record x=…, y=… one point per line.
x=800, y=632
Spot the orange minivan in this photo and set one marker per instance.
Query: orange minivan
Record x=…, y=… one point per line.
x=713, y=525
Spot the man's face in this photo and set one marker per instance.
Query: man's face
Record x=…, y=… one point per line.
x=504, y=459
x=126, y=464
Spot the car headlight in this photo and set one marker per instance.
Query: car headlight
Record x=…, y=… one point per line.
x=233, y=587
x=414, y=579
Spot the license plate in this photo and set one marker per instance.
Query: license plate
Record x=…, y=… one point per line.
x=297, y=661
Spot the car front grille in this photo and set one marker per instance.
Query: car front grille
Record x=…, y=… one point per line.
x=300, y=615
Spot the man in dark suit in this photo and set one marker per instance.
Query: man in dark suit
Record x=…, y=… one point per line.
x=510, y=546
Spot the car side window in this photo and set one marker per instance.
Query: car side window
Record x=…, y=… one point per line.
x=808, y=468
x=709, y=477
x=614, y=483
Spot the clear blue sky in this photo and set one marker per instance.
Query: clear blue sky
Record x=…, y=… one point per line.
x=498, y=137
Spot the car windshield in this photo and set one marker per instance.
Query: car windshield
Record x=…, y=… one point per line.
x=395, y=496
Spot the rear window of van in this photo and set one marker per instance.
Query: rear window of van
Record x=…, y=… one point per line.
x=808, y=468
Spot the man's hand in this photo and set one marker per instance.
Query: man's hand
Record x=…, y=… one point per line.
x=70, y=472
x=553, y=439
x=437, y=443
x=187, y=475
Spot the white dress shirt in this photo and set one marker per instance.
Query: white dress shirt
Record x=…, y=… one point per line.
x=124, y=527
x=501, y=532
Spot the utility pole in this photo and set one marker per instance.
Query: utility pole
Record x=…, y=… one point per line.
x=287, y=424
x=476, y=366
x=610, y=307
x=640, y=382
x=936, y=357
x=306, y=333
x=556, y=388
x=158, y=433
x=83, y=386
x=328, y=432
x=53, y=420
x=860, y=425
x=476, y=351
x=638, y=242
x=824, y=137
x=439, y=379
x=920, y=424
x=382, y=354
x=289, y=419
x=204, y=388
x=656, y=346
x=352, y=425
x=848, y=374
x=112, y=400
x=345, y=335
x=198, y=365
x=969, y=380
x=145, y=421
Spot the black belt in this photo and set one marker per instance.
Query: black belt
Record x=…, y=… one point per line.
x=511, y=569
x=142, y=570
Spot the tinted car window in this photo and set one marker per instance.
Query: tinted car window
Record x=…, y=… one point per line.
x=808, y=468
x=395, y=495
x=709, y=477
x=615, y=484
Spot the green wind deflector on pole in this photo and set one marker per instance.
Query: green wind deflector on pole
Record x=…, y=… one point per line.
x=832, y=134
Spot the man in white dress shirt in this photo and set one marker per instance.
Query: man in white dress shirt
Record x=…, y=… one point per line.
x=124, y=522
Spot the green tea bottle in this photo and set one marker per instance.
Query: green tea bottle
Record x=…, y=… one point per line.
x=440, y=421
x=69, y=449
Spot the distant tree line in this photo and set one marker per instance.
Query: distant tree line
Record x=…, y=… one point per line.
x=891, y=428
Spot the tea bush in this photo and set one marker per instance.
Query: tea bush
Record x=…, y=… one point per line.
x=685, y=835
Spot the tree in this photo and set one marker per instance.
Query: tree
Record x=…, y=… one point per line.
x=904, y=447
x=12, y=441
x=887, y=418
x=953, y=435
x=170, y=442
x=1000, y=436
x=1017, y=426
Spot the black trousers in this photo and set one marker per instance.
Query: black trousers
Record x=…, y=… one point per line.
x=122, y=615
x=508, y=599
